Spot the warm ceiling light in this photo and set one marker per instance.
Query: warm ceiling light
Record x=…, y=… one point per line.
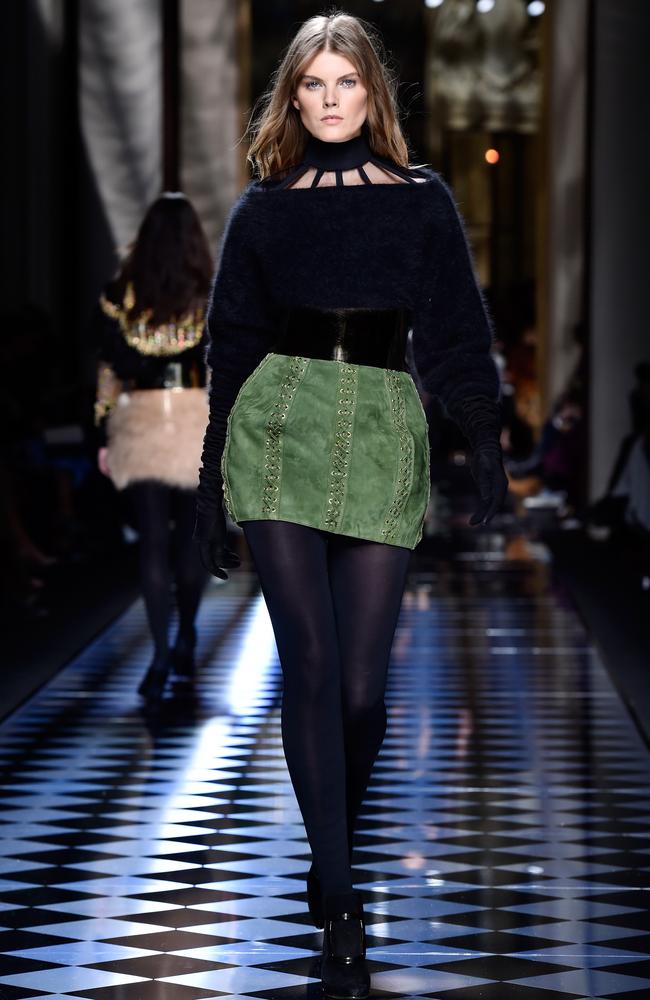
x=492, y=155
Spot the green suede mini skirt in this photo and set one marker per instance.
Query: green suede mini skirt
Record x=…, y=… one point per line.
x=336, y=446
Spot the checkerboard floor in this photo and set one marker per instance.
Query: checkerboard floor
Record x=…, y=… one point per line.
x=503, y=852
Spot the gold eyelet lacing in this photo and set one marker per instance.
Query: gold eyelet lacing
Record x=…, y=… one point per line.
x=342, y=445
x=274, y=430
x=227, y=499
x=406, y=456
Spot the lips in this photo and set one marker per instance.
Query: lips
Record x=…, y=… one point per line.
x=332, y=118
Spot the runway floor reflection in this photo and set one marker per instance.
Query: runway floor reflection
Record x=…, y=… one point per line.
x=503, y=852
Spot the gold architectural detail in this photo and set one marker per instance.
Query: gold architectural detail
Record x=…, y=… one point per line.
x=483, y=67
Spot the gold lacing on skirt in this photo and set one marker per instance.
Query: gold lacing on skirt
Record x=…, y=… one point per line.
x=274, y=430
x=329, y=444
x=342, y=443
x=405, y=462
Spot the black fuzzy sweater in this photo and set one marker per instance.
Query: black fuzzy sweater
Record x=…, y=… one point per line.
x=377, y=246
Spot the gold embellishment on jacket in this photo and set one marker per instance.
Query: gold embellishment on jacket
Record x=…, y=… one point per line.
x=405, y=457
x=150, y=339
x=274, y=430
x=342, y=444
x=109, y=387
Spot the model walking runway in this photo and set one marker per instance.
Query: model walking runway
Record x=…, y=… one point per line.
x=502, y=849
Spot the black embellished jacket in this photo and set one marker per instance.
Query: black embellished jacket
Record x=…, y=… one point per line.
x=134, y=354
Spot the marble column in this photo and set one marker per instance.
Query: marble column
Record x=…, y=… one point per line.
x=121, y=106
x=561, y=216
x=620, y=209
x=213, y=111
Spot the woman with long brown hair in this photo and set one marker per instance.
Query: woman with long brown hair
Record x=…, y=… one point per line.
x=150, y=411
x=317, y=439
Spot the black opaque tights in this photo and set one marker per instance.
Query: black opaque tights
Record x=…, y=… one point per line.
x=167, y=555
x=334, y=603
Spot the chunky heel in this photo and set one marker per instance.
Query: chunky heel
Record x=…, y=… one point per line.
x=344, y=972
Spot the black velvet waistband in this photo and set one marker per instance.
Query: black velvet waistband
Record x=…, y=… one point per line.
x=375, y=337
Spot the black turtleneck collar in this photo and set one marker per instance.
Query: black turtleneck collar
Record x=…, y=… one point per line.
x=338, y=155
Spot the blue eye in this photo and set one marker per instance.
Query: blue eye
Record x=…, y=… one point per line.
x=348, y=83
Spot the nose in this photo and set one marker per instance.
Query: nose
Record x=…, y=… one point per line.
x=329, y=101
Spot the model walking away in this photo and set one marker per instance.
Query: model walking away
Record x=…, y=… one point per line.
x=317, y=439
x=151, y=409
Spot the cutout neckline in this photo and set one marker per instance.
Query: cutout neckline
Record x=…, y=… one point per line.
x=404, y=178
x=338, y=158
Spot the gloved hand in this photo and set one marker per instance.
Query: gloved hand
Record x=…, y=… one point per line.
x=479, y=418
x=210, y=533
x=487, y=469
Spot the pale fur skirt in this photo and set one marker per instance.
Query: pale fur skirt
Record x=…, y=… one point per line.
x=157, y=434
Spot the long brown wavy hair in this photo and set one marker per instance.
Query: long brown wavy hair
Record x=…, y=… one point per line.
x=169, y=264
x=278, y=137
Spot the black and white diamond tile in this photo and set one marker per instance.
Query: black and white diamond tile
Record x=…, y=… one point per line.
x=503, y=852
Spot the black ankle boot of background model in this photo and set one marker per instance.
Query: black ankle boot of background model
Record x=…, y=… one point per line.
x=344, y=972
x=183, y=664
x=152, y=685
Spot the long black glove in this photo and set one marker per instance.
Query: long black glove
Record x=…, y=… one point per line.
x=479, y=418
x=211, y=534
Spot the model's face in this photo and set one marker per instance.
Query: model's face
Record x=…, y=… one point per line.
x=331, y=98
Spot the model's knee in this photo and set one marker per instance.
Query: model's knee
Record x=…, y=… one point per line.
x=310, y=670
x=362, y=704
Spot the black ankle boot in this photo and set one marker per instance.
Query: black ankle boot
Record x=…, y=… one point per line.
x=152, y=685
x=183, y=665
x=344, y=972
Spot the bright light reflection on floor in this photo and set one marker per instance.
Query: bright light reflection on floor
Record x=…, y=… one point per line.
x=254, y=660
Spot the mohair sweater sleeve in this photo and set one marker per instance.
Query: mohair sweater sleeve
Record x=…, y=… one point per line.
x=452, y=329
x=242, y=324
